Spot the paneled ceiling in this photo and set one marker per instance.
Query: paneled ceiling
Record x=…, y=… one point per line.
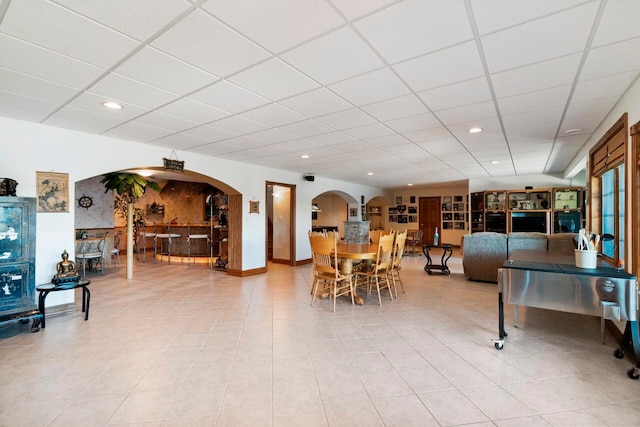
x=376, y=92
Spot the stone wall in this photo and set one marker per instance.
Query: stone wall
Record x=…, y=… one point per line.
x=356, y=231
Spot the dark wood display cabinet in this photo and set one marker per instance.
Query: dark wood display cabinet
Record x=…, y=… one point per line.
x=17, y=261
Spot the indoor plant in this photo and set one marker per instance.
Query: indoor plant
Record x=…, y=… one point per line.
x=130, y=187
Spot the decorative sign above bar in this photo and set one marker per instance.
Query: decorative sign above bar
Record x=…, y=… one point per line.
x=254, y=206
x=173, y=165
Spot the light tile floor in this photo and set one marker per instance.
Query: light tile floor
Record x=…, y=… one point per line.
x=186, y=346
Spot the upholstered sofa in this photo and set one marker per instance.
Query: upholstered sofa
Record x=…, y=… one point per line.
x=484, y=253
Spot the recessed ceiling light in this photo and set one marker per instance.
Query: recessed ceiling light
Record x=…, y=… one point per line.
x=495, y=162
x=475, y=130
x=409, y=185
x=112, y=105
x=572, y=130
x=370, y=173
x=145, y=172
x=304, y=156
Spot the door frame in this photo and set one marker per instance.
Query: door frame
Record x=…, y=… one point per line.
x=292, y=225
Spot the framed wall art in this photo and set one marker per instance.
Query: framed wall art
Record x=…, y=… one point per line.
x=52, y=189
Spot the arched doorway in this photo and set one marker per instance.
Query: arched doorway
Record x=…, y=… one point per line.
x=192, y=201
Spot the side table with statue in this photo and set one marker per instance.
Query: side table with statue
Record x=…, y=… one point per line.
x=65, y=279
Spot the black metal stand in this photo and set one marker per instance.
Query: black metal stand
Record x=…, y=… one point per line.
x=447, y=251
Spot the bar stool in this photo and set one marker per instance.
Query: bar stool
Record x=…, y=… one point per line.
x=143, y=235
x=196, y=237
x=170, y=237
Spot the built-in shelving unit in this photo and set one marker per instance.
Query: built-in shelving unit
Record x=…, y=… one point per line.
x=546, y=210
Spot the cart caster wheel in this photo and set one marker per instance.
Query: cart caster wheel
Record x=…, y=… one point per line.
x=618, y=353
x=631, y=373
x=499, y=346
x=447, y=272
x=506, y=334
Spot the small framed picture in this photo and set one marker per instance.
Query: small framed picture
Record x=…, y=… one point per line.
x=403, y=219
x=412, y=218
x=398, y=200
x=413, y=210
x=353, y=212
x=446, y=199
x=412, y=199
x=393, y=211
x=393, y=218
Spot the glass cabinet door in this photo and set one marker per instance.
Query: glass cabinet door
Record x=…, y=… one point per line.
x=14, y=222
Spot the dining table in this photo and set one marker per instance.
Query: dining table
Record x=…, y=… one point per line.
x=348, y=252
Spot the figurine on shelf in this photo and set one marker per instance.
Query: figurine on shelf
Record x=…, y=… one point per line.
x=65, y=270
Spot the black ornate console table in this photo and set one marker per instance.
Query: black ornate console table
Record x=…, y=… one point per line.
x=447, y=250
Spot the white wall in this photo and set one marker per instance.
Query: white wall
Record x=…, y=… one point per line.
x=29, y=147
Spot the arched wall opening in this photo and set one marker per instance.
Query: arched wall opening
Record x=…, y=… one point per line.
x=186, y=193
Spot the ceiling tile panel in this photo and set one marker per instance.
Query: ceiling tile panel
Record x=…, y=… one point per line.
x=273, y=115
x=355, y=8
x=160, y=70
x=553, y=36
x=180, y=141
x=139, y=19
x=132, y=92
x=435, y=24
x=274, y=80
x=388, y=141
x=612, y=59
x=371, y=87
x=238, y=125
x=332, y=138
x=596, y=107
x=479, y=111
x=210, y=133
x=40, y=108
x=374, y=130
x=317, y=102
x=138, y=131
x=193, y=111
x=456, y=64
x=549, y=116
x=50, y=26
x=273, y=136
x=619, y=22
x=603, y=87
x=408, y=105
x=462, y=93
x=413, y=123
x=307, y=128
x=544, y=75
x=319, y=57
x=166, y=121
x=538, y=100
x=218, y=50
x=93, y=102
x=229, y=97
x=39, y=62
x=496, y=15
x=277, y=25
x=25, y=85
x=347, y=119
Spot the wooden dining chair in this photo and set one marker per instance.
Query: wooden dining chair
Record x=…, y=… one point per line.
x=398, y=251
x=377, y=273
x=324, y=252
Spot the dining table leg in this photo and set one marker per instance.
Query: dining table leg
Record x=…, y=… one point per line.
x=347, y=269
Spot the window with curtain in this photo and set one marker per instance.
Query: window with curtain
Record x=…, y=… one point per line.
x=613, y=212
x=607, y=159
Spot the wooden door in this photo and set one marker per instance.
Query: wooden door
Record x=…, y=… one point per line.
x=429, y=218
